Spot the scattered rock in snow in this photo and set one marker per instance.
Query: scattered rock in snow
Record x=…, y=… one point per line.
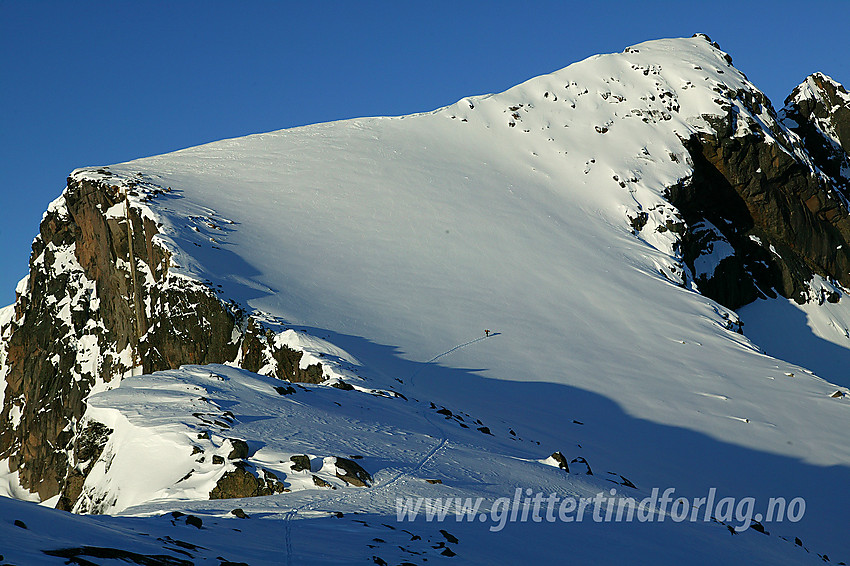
x=194, y=521
x=240, y=449
x=81, y=555
x=561, y=460
x=449, y=537
x=319, y=482
x=242, y=483
x=288, y=390
x=300, y=463
x=581, y=460
x=352, y=473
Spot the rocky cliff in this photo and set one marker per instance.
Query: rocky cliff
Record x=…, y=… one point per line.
x=818, y=110
x=100, y=303
x=769, y=208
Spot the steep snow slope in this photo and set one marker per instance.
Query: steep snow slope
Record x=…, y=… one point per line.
x=508, y=212
x=399, y=240
x=419, y=232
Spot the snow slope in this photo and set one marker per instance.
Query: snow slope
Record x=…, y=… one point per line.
x=418, y=232
x=268, y=535
x=397, y=241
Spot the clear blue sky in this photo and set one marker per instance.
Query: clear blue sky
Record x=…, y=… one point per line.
x=94, y=83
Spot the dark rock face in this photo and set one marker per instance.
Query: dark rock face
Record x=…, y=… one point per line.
x=43, y=348
x=784, y=221
x=192, y=327
x=88, y=446
x=79, y=263
x=818, y=111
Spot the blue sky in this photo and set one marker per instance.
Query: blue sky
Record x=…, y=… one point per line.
x=95, y=83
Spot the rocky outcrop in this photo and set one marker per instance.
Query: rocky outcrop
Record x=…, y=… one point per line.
x=561, y=460
x=261, y=349
x=88, y=446
x=241, y=482
x=352, y=473
x=760, y=198
x=74, y=326
x=100, y=301
x=818, y=110
x=300, y=462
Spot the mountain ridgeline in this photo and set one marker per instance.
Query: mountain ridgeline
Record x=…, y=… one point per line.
x=782, y=206
x=762, y=210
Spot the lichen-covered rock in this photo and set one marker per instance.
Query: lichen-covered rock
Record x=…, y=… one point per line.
x=241, y=482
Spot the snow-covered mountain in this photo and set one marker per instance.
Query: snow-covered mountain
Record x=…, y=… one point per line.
x=528, y=290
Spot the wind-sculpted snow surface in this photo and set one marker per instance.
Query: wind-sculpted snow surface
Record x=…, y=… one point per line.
x=178, y=433
x=363, y=260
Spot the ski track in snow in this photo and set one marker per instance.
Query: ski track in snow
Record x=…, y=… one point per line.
x=456, y=348
x=426, y=457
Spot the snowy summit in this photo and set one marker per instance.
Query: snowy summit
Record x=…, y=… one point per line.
x=256, y=348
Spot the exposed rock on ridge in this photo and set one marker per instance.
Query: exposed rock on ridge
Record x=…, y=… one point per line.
x=818, y=110
x=74, y=327
x=769, y=200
